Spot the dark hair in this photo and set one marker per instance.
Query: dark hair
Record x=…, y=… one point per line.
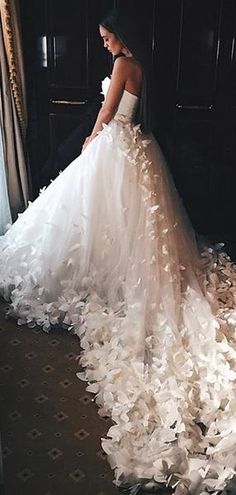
x=124, y=28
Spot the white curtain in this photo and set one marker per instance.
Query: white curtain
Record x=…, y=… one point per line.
x=5, y=213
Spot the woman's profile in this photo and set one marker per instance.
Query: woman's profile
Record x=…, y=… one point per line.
x=107, y=251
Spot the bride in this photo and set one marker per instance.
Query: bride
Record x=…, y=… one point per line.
x=107, y=252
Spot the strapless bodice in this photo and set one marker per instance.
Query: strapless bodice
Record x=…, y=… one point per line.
x=127, y=105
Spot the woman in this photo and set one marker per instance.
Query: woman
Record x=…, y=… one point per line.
x=107, y=252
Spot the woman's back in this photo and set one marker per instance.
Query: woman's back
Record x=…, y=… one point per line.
x=134, y=80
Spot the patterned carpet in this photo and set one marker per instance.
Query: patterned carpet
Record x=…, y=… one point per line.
x=51, y=431
x=50, y=427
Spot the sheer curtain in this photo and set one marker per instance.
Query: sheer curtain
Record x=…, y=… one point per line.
x=14, y=186
x=5, y=212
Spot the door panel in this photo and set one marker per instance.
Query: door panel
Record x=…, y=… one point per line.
x=198, y=52
x=65, y=63
x=68, y=44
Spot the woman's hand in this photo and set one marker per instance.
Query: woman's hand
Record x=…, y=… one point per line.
x=86, y=142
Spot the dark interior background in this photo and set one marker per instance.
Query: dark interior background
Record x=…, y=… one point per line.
x=192, y=45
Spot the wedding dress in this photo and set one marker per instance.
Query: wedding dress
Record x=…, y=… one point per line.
x=107, y=251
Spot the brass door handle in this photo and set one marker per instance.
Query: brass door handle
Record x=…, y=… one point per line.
x=194, y=107
x=69, y=102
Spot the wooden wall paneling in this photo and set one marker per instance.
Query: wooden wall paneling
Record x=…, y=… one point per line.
x=200, y=23
x=68, y=28
x=195, y=130
x=165, y=40
x=226, y=122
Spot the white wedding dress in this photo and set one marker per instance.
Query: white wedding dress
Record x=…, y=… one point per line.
x=106, y=251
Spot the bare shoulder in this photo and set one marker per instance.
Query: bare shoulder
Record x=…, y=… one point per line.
x=128, y=71
x=128, y=64
x=121, y=65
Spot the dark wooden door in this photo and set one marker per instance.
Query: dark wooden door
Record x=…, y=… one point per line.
x=65, y=62
x=194, y=52
x=192, y=45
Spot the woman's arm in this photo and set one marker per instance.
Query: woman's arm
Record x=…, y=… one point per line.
x=113, y=97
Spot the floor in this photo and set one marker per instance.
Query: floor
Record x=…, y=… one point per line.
x=50, y=427
x=51, y=431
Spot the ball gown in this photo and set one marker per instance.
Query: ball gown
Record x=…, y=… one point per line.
x=107, y=252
